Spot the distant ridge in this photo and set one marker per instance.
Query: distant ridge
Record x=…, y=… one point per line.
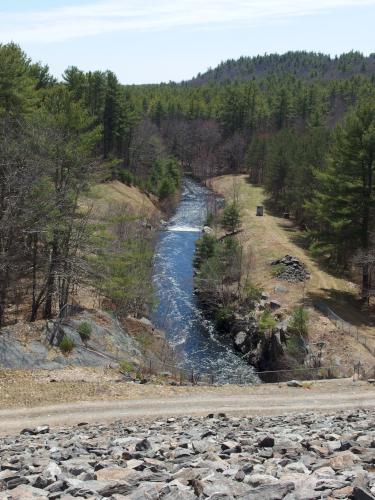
x=301, y=65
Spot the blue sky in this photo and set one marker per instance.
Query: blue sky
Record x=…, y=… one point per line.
x=147, y=41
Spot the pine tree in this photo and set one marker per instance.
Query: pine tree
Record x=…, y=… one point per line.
x=111, y=114
x=17, y=86
x=231, y=220
x=344, y=204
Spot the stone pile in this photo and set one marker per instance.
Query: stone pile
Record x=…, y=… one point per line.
x=291, y=269
x=306, y=456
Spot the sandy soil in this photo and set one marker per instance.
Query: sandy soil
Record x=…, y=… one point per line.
x=270, y=237
x=147, y=402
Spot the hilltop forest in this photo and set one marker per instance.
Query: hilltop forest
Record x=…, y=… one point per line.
x=302, y=125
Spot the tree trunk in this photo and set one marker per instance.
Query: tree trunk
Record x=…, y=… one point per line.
x=50, y=288
x=365, y=229
x=3, y=295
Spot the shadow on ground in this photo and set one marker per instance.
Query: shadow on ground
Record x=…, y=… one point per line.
x=346, y=305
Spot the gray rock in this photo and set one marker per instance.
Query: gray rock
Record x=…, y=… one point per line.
x=269, y=492
x=362, y=494
x=274, y=304
x=304, y=456
x=260, y=479
x=294, y=383
x=24, y=492
x=266, y=442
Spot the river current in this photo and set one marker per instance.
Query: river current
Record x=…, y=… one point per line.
x=177, y=313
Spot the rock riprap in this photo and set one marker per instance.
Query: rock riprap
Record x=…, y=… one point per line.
x=306, y=456
x=290, y=269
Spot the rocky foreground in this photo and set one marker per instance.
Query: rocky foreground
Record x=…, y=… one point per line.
x=307, y=456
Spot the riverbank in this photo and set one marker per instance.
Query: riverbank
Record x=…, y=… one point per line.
x=269, y=237
x=89, y=333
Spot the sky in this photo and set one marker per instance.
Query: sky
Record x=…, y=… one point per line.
x=149, y=41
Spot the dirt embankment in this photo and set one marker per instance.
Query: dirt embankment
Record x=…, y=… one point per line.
x=270, y=237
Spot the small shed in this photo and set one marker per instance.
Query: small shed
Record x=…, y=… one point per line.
x=260, y=211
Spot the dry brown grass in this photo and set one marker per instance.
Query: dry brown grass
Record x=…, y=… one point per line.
x=270, y=237
x=42, y=388
x=106, y=195
x=29, y=388
x=102, y=200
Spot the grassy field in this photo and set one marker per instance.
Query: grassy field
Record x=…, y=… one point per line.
x=270, y=237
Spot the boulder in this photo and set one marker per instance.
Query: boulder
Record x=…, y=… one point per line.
x=266, y=442
x=294, y=383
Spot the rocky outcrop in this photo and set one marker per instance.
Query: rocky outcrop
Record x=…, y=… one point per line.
x=27, y=346
x=264, y=350
x=306, y=456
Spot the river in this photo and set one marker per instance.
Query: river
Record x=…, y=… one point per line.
x=177, y=312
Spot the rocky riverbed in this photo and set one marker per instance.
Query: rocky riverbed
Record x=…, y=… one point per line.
x=305, y=456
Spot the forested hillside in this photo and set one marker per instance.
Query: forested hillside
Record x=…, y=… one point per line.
x=57, y=140
x=308, y=140
x=302, y=65
x=302, y=125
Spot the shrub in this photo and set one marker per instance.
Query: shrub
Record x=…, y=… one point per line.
x=84, y=331
x=144, y=339
x=295, y=347
x=224, y=318
x=267, y=322
x=205, y=248
x=251, y=292
x=210, y=219
x=126, y=177
x=299, y=321
x=167, y=188
x=67, y=345
x=126, y=366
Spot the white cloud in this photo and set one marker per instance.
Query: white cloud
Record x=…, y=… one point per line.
x=109, y=16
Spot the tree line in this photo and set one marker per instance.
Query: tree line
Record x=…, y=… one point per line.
x=307, y=140
x=57, y=139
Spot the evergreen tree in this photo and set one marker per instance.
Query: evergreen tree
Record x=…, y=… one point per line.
x=344, y=204
x=66, y=136
x=111, y=114
x=76, y=81
x=17, y=86
x=231, y=220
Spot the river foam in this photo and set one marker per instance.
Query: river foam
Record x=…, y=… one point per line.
x=178, y=313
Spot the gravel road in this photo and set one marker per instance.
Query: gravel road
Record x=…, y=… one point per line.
x=272, y=399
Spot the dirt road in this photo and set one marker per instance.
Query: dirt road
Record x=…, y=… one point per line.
x=255, y=400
